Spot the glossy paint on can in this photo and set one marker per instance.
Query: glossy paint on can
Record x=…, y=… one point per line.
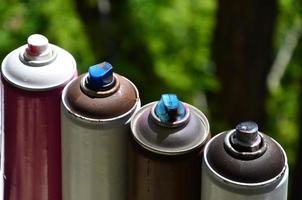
x=32, y=144
x=32, y=79
x=95, y=131
x=161, y=167
x=153, y=176
x=260, y=178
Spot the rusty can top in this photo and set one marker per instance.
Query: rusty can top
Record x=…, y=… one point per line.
x=38, y=66
x=245, y=157
x=170, y=127
x=101, y=96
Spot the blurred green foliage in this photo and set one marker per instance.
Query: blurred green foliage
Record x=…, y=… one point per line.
x=56, y=19
x=283, y=103
x=178, y=35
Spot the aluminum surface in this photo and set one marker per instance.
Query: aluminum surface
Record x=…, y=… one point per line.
x=213, y=189
x=94, y=161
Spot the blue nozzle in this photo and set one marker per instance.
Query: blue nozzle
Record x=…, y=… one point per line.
x=100, y=76
x=169, y=109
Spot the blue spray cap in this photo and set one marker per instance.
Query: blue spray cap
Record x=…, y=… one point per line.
x=169, y=109
x=100, y=76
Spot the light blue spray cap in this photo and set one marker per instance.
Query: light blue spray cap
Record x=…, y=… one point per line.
x=169, y=109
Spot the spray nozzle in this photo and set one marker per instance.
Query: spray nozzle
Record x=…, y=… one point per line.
x=169, y=109
x=245, y=142
x=246, y=137
x=38, y=49
x=100, y=76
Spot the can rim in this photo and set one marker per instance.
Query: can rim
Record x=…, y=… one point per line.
x=108, y=120
x=101, y=93
x=35, y=87
x=171, y=152
x=238, y=183
x=36, y=63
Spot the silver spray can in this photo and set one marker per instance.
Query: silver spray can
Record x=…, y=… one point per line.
x=165, y=151
x=244, y=164
x=96, y=112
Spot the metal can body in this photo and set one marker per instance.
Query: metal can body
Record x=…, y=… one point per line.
x=31, y=125
x=32, y=144
x=94, y=144
x=218, y=189
x=152, y=176
x=264, y=177
x=94, y=160
x=161, y=167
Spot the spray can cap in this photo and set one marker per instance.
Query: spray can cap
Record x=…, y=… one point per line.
x=38, y=49
x=100, y=76
x=247, y=136
x=245, y=142
x=169, y=109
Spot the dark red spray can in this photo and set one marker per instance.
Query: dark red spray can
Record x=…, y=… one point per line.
x=165, y=151
x=33, y=77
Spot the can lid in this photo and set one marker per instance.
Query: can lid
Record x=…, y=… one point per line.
x=153, y=129
x=38, y=66
x=37, y=48
x=98, y=104
x=246, y=156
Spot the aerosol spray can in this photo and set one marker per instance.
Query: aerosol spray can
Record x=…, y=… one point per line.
x=33, y=77
x=165, y=151
x=244, y=164
x=96, y=112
